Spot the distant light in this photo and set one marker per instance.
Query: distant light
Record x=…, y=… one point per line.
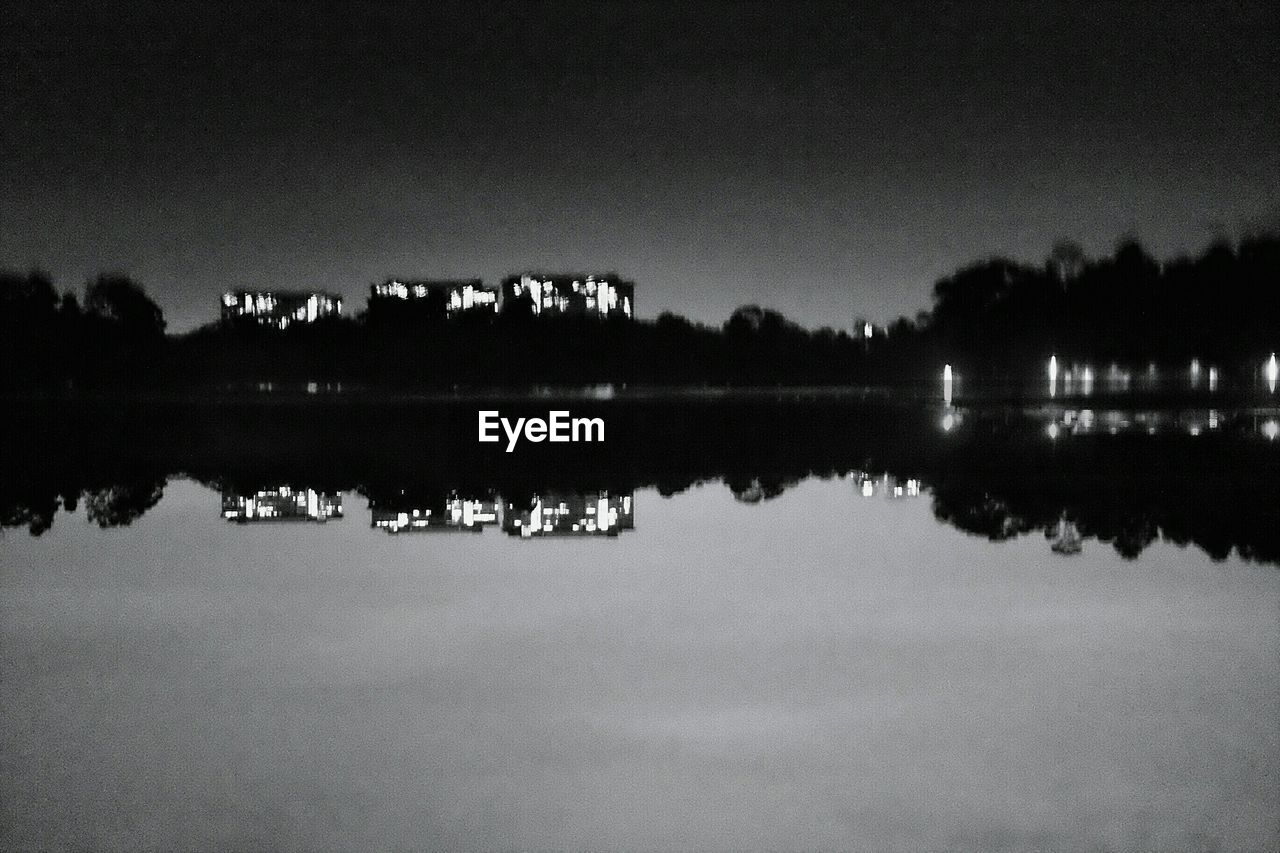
x=1213, y=379
x=946, y=384
x=1272, y=372
x=868, y=330
x=1053, y=368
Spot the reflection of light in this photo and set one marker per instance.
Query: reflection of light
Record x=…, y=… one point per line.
x=1213, y=419
x=1271, y=429
x=948, y=421
x=1194, y=429
x=946, y=383
x=1053, y=430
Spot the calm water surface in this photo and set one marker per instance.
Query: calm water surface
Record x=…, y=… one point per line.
x=820, y=669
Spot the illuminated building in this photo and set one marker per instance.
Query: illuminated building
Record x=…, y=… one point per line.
x=283, y=503
x=437, y=298
x=449, y=513
x=570, y=514
x=581, y=295
x=280, y=308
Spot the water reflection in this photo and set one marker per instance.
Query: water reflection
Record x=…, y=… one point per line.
x=1066, y=538
x=844, y=600
x=1203, y=476
x=885, y=485
x=443, y=512
x=280, y=503
x=596, y=513
x=1194, y=422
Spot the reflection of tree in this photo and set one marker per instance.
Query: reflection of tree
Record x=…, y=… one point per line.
x=980, y=513
x=1219, y=493
x=755, y=489
x=35, y=512
x=997, y=475
x=122, y=503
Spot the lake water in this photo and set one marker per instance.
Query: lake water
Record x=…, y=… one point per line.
x=895, y=640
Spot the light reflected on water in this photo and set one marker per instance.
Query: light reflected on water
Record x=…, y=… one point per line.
x=1193, y=422
x=959, y=628
x=733, y=675
x=280, y=503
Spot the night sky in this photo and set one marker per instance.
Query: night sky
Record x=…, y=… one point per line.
x=828, y=161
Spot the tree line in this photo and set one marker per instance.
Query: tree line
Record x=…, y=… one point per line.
x=996, y=319
x=994, y=475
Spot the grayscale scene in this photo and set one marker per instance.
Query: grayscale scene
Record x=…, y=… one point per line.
x=631, y=425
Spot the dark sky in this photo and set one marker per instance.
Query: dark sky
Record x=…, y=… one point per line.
x=828, y=160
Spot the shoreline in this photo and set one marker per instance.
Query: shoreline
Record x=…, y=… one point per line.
x=605, y=394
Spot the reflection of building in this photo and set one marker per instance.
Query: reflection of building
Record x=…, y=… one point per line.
x=283, y=503
x=570, y=514
x=438, y=298
x=887, y=485
x=280, y=308
x=447, y=513
x=586, y=295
